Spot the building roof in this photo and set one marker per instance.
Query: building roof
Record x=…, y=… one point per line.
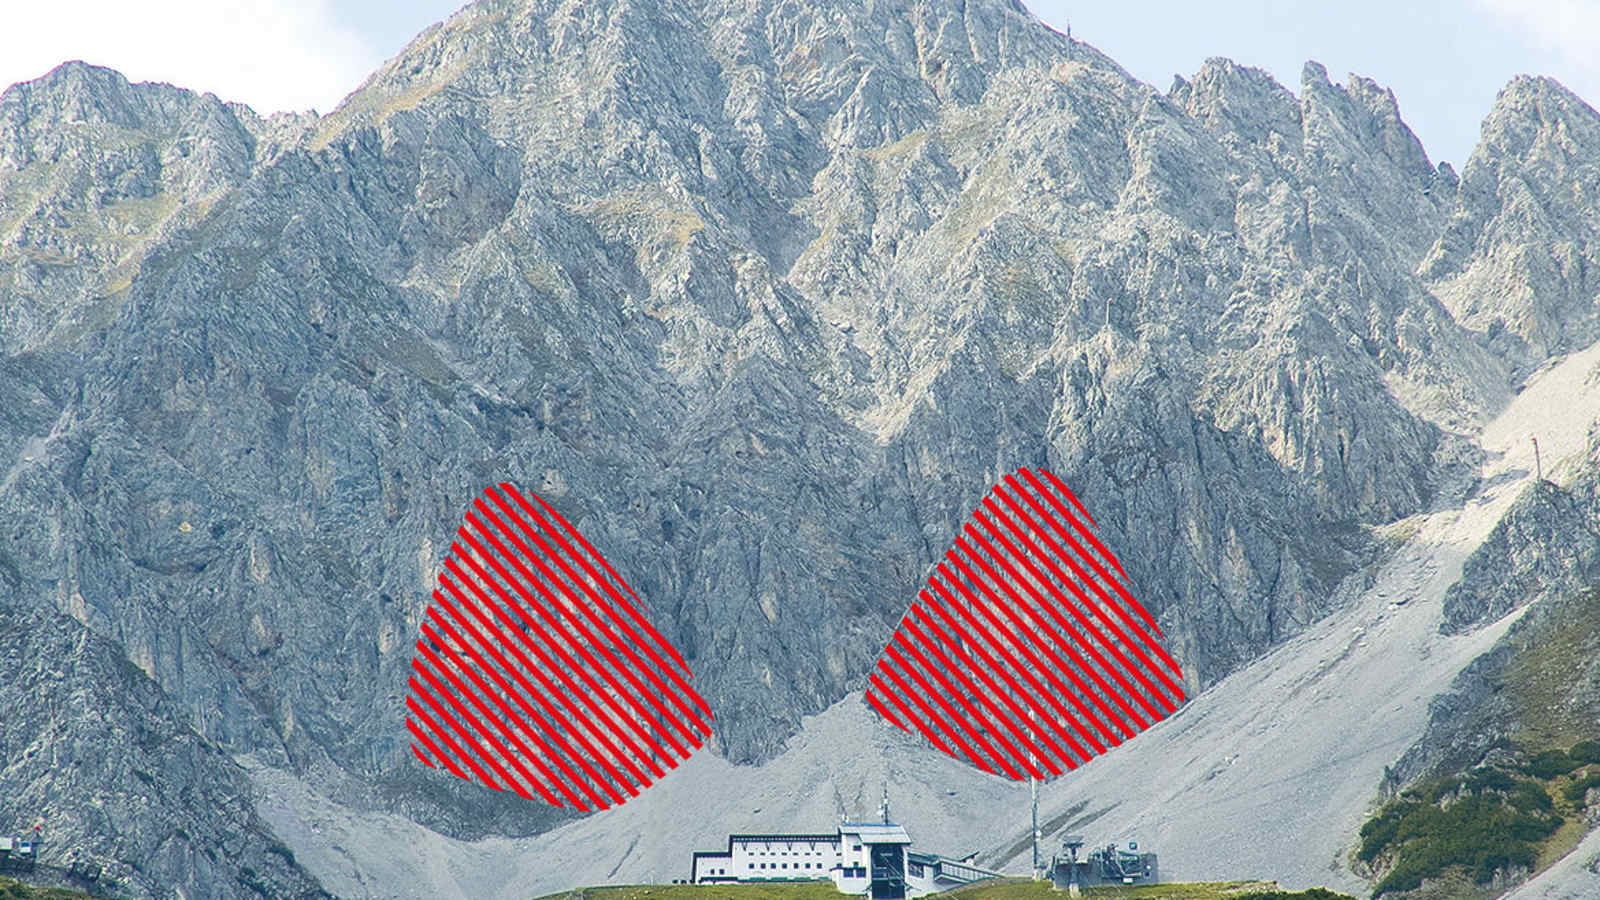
x=876, y=832
x=956, y=870
x=770, y=838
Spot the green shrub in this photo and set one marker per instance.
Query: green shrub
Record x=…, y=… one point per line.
x=1549, y=764
x=1490, y=779
x=1483, y=821
x=1528, y=796
x=1532, y=829
x=1577, y=789
x=1484, y=831
x=1433, y=789
x=1380, y=830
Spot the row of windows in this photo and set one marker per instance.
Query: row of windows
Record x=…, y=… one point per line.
x=847, y=871
x=772, y=866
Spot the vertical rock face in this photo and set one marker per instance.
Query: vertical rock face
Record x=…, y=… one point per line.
x=94, y=749
x=761, y=297
x=1517, y=261
x=1548, y=546
x=95, y=171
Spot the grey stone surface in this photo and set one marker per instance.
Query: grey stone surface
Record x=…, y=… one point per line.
x=1540, y=683
x=1548, y=546
x=95, y=751
x=762, y=296
x=1478, y=720
x=1516, y=261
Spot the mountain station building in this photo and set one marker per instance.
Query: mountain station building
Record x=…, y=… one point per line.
x=871, y=859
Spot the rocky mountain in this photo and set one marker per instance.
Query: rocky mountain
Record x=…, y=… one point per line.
x=762, y=297
x=1516, y=259
x=1540, y=684
x=97, y=753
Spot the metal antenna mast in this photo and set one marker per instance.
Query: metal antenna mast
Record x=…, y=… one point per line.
x=1033, y=783
x=1073, y=844
x=1033, y=787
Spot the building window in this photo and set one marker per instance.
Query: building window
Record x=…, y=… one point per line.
x=915, y=869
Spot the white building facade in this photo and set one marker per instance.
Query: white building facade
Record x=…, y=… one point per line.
x=769, y=857
x=872, y=859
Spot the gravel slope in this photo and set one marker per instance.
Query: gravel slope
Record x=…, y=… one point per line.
x=1268, y=774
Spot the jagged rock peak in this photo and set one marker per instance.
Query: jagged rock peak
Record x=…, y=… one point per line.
x=1245, y=100
x=1538, y=118
x=1367, y=113
x=821, y=52
x=1520, y=261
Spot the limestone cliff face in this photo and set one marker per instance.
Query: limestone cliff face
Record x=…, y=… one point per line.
x=1548, y=547
x=1539, y=685
x=762, y=297
x=97, y=171
x=95, y=751
x=1517, y=260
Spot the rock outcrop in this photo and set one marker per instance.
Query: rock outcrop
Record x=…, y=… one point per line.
x=762, y=297
x=96, y=752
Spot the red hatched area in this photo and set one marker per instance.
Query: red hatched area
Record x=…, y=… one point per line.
x=1026, y=654
x=538, y=671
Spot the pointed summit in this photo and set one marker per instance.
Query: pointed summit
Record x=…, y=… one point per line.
x=1518, y=260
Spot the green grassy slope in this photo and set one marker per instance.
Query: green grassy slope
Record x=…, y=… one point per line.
x=1468, y=826
x=1496, y=788
x=1001, y=889
x=11, y=889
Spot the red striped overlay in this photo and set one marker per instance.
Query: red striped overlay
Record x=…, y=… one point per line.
x=1027, y=654
x=538, y=671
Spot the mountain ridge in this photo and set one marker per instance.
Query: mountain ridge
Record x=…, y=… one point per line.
x=762, y=322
